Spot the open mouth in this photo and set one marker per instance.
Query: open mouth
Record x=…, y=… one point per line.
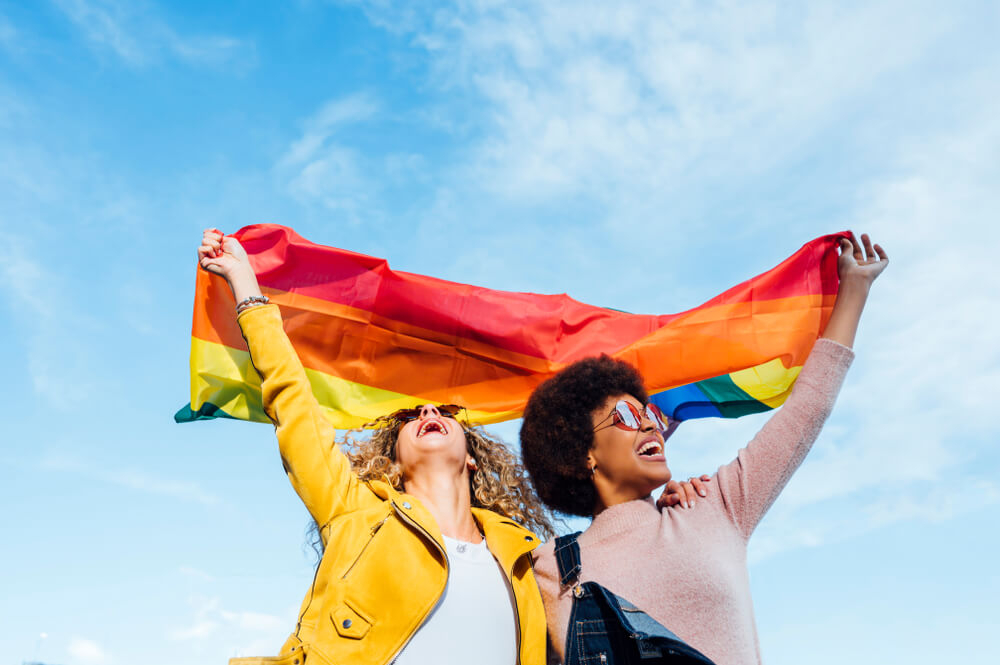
x=432, y=425
x=650, y=448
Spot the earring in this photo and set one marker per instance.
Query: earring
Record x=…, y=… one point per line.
x=593, y=469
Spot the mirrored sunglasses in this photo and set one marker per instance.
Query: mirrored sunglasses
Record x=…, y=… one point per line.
x=628, y=417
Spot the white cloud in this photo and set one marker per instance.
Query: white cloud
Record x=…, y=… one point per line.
x=133, y=479
x=254, y=621
x=616, y=99
x=334, y=178
x=655, y=114
x=244, y=632
x=87, y=651
x=56, y=360
x=23, y=276
x=197, y=573
x=319, y=167
x=582, y=126
x=53, y=200
x=196, y=631
x=322, y=126
x=917, y=407
x=323, y=167
x=137, y=34
x=932, y=317
x=205, y=623
x=847, y=518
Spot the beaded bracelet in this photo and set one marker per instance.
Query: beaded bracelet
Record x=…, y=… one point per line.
x=252, y=301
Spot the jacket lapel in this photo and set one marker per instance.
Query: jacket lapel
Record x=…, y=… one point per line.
x=507, y=540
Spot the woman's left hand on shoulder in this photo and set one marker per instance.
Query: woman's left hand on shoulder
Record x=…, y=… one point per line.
x=682, y=494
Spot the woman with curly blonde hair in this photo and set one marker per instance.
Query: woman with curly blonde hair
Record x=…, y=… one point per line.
x=425, y=528
x=498, y=481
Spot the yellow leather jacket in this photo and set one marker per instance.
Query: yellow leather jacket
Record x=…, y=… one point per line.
x=385, y=566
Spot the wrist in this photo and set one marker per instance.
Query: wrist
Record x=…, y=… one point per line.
x=854, y=285
x=250, y=303
x=241, y=272
x=243, y=283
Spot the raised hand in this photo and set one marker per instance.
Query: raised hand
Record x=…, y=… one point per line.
x=858, y=267
x=221, y=254
x=224, y=255
x=861, y=265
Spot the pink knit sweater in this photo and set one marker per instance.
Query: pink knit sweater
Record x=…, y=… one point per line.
x=687, y=568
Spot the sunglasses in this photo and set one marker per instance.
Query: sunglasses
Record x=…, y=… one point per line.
x=407, y=415
x=628, y=417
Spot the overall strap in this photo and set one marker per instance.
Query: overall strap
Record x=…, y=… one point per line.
x=568, y=557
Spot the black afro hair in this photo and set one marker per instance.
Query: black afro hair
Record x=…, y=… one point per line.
x=557, y=432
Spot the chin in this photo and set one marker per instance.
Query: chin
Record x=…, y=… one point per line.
x=658, y=481
x=654, y=473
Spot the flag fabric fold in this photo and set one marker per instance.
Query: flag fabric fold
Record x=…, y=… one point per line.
x=374, y=340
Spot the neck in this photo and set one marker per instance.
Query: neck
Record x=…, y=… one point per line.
x=446, y=496
x=608, y=496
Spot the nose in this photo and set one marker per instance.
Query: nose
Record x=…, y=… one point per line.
x=429, y=411
x=646, y=424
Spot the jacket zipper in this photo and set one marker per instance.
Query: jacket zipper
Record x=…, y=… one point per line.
x=517, y=613
x=447, y=573
x=374, y=530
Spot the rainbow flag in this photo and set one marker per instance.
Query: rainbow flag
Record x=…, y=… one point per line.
x=374, y=340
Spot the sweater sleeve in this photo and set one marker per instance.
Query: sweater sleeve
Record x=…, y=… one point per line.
x=750, y=484
x=320, y=473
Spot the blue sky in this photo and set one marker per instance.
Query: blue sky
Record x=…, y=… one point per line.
x=643, y=156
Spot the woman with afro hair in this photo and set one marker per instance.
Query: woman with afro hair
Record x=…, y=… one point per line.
x=594, y=449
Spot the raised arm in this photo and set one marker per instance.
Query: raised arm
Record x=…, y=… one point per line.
x=318, y=470
x=750, y=484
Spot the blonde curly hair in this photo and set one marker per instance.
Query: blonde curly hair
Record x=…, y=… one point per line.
x=499, y=483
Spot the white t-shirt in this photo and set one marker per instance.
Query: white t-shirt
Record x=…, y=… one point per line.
x=473, y=621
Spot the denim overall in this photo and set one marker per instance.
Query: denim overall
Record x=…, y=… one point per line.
x=607, y=629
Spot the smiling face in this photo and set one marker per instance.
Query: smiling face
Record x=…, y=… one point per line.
x=630, y=464
x=432, y=441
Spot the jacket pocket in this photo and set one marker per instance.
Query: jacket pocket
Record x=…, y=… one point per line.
x=349, y=621
x=371, y=536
